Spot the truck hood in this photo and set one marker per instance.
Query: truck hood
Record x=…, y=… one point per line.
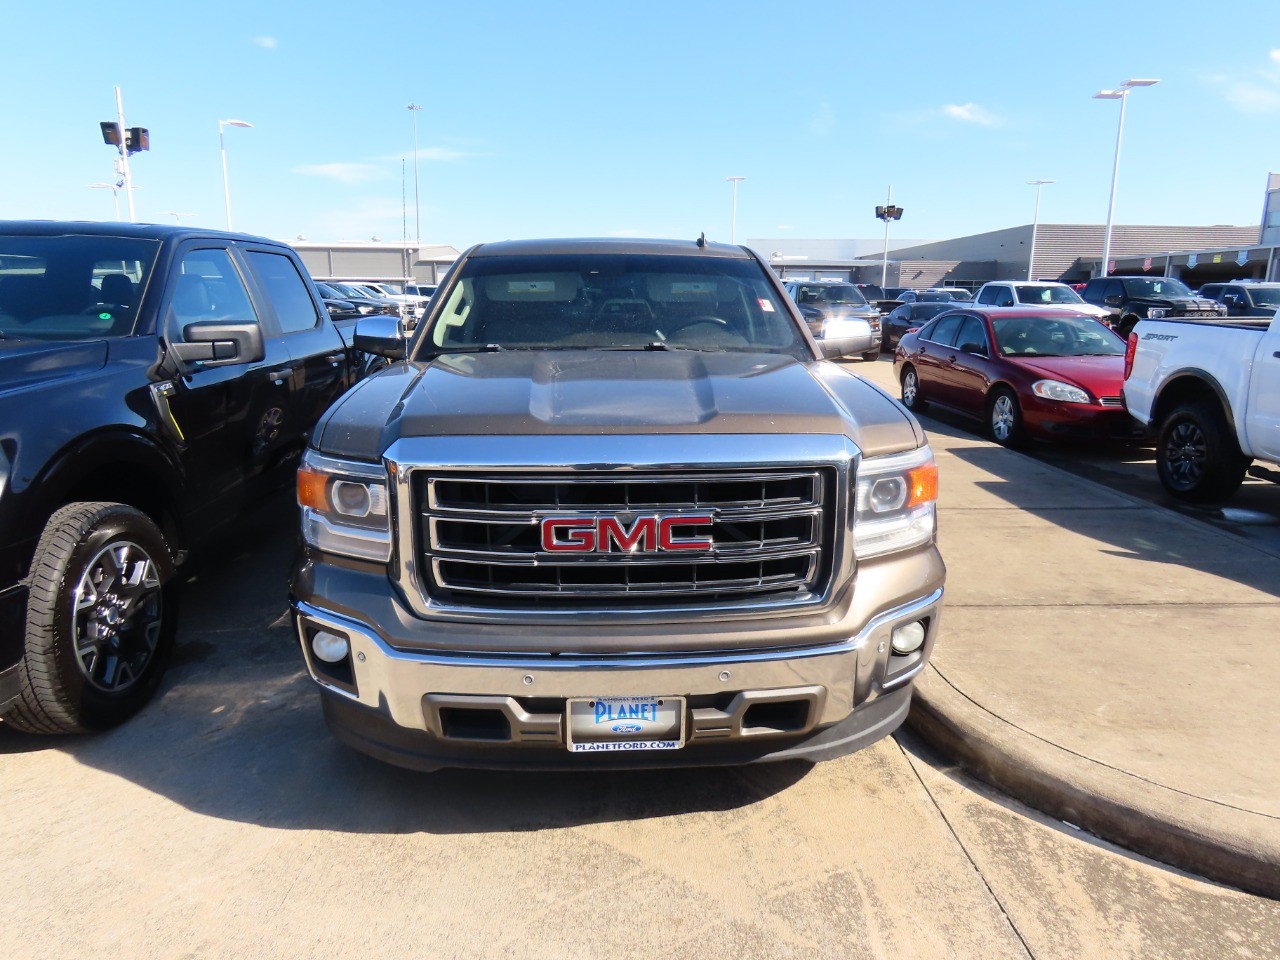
x=1182, y=303
x=613, y=392
x=24, y=362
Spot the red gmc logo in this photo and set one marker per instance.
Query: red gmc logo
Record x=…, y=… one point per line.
x=607, y=534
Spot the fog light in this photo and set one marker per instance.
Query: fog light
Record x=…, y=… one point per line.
x=908, y=637
x=330, y=647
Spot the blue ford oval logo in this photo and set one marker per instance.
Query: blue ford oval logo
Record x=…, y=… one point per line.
x=626, y=728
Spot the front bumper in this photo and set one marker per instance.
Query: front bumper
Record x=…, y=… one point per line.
x=742, y=706
x=1084, y=421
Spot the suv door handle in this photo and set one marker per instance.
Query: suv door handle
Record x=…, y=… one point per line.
x=335, y=358
x=280, y=374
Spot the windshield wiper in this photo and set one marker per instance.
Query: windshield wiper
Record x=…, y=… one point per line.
x=464, y=348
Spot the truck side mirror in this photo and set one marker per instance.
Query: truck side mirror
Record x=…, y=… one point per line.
x=380, y=336
x=215, y=343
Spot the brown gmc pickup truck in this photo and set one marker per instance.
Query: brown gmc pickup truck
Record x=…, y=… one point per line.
x=613, y=508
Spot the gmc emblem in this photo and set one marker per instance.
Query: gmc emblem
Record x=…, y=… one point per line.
x=607, y=534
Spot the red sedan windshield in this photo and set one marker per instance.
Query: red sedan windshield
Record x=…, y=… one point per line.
x=1061, y=336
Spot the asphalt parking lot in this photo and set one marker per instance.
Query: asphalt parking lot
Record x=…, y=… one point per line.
x=225, y=821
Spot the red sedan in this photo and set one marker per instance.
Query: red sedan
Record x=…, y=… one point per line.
x=1045, y=373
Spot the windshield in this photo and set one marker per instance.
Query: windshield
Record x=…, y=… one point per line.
x=612, y=301
x=829, y=293
x=1164, y=287
x=1036, y=293
x=1265, y=296
x=72, y=288
x=1055, y=336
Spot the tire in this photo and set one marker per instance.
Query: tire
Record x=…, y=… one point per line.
x=911, y=391
x=92, y=663
x=1126, y=324
x=872, y=354
x=1197, y=455
x=1004, y=418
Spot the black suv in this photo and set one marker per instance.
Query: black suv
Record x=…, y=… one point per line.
x=1130, y=299
x=1244, y=298
x=153, y=380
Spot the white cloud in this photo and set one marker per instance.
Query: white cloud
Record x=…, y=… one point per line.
x=824, y=122
x=266, y=43
x=1257, y=91
x=970, y=113
x=343, y=172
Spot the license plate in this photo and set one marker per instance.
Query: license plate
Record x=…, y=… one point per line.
x=625, y=723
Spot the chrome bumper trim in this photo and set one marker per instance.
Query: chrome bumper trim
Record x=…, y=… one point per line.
x=397, y=682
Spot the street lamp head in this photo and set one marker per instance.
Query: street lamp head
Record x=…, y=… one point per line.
x=735, y=179
x=1039, y=183
x=1140, y=83
x=414, y=106
x=1109, y=95
x=234, y=123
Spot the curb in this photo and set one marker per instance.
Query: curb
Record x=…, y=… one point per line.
x=1204, y=837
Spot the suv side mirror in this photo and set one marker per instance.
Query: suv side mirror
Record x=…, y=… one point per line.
x=216, y=343
x=381, y=336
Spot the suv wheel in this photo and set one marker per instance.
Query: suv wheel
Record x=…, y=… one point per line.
x=101, y=616
x=1197, y=457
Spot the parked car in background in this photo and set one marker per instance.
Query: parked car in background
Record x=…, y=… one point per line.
x=1130, y=299
x=895, y=293
x=907, y=317
x=1211, y=391
x=871, y=291
x=339, y=307
x=1244, y=298
x=361, y=295
x=1024, y=372
x=837, y=310
x=154, y=381
x=423, y=290
x=412, y=306
x=1037, y=293
x=958, y=294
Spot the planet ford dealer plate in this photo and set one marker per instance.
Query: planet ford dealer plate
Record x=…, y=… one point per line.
x=626, y=723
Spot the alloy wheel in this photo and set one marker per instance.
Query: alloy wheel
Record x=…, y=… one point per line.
x=1186, y=452
x=116, y=615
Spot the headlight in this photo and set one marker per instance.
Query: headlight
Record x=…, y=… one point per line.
x=1057, y=390
x=895, y=503
x=1157, y=313
x=344, y=507
x=836, y=328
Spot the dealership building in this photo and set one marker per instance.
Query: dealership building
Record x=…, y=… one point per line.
x=391, y=262
x=1070, y=252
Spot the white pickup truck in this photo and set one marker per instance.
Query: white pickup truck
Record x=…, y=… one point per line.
x=1210, y=390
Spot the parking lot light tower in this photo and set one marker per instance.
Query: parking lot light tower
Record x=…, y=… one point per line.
x=222, y=143
x=413, y=108
x=733, y=229
x=1121, y=93
x=115, y=193
x=1035, y=225
x=887, y=213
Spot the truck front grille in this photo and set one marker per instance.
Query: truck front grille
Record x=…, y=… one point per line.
x=481, y=540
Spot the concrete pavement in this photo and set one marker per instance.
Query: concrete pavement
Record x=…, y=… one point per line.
x=1106, y=660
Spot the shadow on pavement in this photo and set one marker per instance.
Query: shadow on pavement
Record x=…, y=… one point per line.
x=236, y=732
x=1142, y=535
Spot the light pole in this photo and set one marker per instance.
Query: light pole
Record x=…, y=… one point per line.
x=413, y=108
x=115, y=193
x=733, y=230
x=1121, y=93
x=222, y=142
x=887, y=213
x=1035, y=225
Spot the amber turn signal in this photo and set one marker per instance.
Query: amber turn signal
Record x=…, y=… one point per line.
x=924, y=485
x=313, y=489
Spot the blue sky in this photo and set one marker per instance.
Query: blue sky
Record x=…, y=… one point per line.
x=594, y=119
